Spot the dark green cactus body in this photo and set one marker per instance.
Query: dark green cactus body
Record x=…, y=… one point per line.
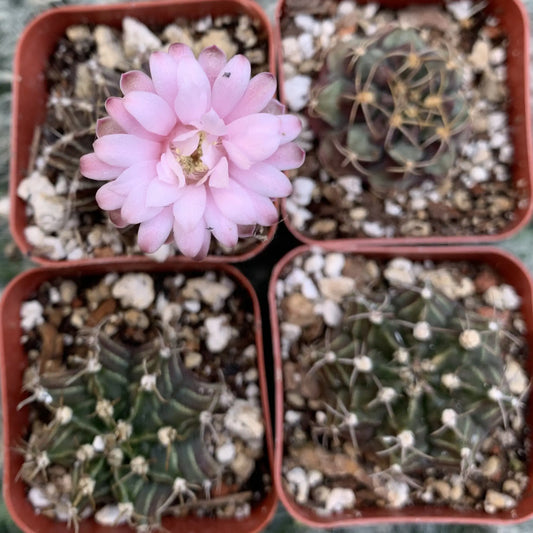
x=127, y=424
x=390, y=109
x=423, y=376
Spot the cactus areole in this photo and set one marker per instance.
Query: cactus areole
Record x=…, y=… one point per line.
x=389, y=109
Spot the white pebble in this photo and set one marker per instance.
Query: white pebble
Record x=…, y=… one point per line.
x=340, y=499
x=314, y=263
x=296, y=91
x=302, y=190
x=330, y=311
x=225, y=453
x=373, y=229
x=134, y=290
x=502, y=297
x=479, y=174
x=307, y=46
x=333, y=264
x=38, y=498
x=298, y=478
x=137, y=38
x=218, y=333
x=245, y=421
x=31, y=315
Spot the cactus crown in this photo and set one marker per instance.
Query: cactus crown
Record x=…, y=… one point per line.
x=128, y=425
x=391, y=109
x=418, y=380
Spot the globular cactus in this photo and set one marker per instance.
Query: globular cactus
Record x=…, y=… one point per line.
x=127, y=427
x=391, y=109
x=417, y=380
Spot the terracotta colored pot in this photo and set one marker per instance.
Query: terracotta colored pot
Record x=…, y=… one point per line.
x=30, y=94
x=13, y=362
x=513, y=273
x=515, y=23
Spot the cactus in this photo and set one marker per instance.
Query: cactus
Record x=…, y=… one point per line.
x=390, y=109
x=127, y=425
x=417, y=380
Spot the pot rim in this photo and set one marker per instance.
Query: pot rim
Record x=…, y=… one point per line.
x=523, y=138
x=500, y=260
x=62, y=17
x=11, y=371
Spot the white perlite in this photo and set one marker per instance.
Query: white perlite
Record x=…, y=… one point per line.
x=210, y=292
x=31, y=315
x=340, y=499
x=244, y=420
x=134, y=290
x=219, y=333
x=297, y=91
x=137, y=38
x=502, y=297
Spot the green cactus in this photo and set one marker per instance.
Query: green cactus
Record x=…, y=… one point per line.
x=128, y=425
x=417, y=380
x=390, y=109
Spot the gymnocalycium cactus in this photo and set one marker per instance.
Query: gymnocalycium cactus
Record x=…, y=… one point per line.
x=391, y=109
x=417, y=380
x=128, y=428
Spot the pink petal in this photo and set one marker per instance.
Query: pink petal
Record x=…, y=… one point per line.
x=117, y=110
x=154, y=232
x=116, y=219
x=219, y=175
x=194, y=91
x=107, y=126
x=205, y=247
x=152, y=112
x=258, y=94
x=211, y=123
x=192, y=243
x=234, y=203
x=211, y=153
x=265, y=211
x=135, y=177
x=135, y=80
x=124, y=150
x=134, y=208
x=274, y=107
x=190, y=206
x=108, y=199
x=170, y=170
x=286, y=157
x=212, y=59
x=230, y=85
x=160, y=193
x=252, y=138
x=263, y=179
x=179, y=50
x=246, y=231
x=290, y=127
x=186, y=145
x=92, y=167
x=223, y=230
x=164, y=75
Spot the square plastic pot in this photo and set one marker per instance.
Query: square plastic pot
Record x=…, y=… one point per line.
x=515, y=23
x=30, y=94
x=513, y=273
x=13, y=362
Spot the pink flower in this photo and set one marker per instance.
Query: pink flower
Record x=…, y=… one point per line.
x=196, y=150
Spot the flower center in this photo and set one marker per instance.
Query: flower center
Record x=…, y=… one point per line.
x=192, y=164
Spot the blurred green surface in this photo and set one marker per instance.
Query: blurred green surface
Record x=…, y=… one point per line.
x=14, y=14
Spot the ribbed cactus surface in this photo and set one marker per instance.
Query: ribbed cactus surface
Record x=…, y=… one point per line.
x=418, y=379
x=390, y=109
x=128, y=424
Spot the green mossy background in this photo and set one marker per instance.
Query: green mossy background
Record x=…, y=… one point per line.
x=14, y=15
